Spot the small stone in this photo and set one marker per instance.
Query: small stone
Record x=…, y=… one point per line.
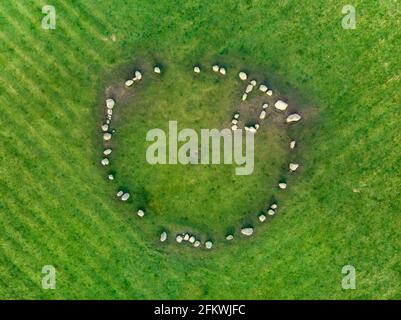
x=178, y=238
x=249, y=88
x=107, y=121
x=242, y=75
x=110, y=112
x=215, y=68
x=197, y=70
x=107, y=152
x=209, y=244
x=110, y=177
x=265, y=106
x=257, y=126
x=262, y=115
x=229, y=237
x=110, y=103
x=271, y=212
x=247, y=231
x=236, y=116
x=295, y=117
x=157, y=70
x=120, y=193
x=252, y=129
x=269, y=92
x=138, y=75
x=263, y=88
x=234, y=127
x=292, y=144
x=125, y=196
x=197, y=243
x=282, y=185
x=253, y=83
x=129, y=83
x=274, y=206
x=234, y=121
x=163, y=236
x=105, y=127
x=186, y=237
x=244, y=96
x=262, y=218
x=293, y=166
x=281, y=105
x=140, y=213
x=246, y=128
x=222, y=71
x=191, y=239
x=105, y=162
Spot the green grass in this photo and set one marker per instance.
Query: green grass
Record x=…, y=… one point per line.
x=57, y=207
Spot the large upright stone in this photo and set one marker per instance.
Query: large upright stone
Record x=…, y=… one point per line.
x=243, y=76
x=281, y=105
x=110, y=103
x=295, y=117
x=163, y=236
x=247, y=231
x=106, y=136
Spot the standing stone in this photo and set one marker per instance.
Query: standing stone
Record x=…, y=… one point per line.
x=107, y=152
x=249, y=88
x=243, y=76
x=274, y=206
x=281, y=105
x=236, y=116
x=253, y=83
x=197, y=243
x=293, y=166
x=263, y=88
x=125, y=196
x=247, y=231
x=105, y=127
x=262, y=115
x=222, y=71
x=229, y=237
x=157, y=70
x=106, y=136
x=282, y=185
x=197, y=69
x=234, y=121
x=191, y=239
x=262, y=218
x=110, y=103
x=186, y=237
x=129, y=83
x=244, y=96
x=234, y=127
x=138, y=75
x=178, y=238
x=265, y=106
x=209, y=244
x=295, y=117
x=105, y=162
x=110, y=177
x=120, y=193
x=269, y=92
x=292, y=144
x=140, y=213
x=271, y=212
x=215, y=68
x=163, y=236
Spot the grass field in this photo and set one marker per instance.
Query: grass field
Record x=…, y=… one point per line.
x=57, y=208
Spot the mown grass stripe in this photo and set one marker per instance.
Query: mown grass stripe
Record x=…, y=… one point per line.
x=69, y=32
